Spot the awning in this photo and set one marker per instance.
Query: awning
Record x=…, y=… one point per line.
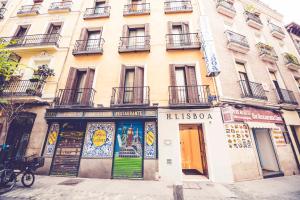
x=261, y=125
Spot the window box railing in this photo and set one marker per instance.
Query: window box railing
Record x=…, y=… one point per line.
x=253, y=20
x=91, y=46
x=2, y=11
x=75, y=97
x=136, y=9
x=226, y=7
x=190, y=95
x=291, y=61
x=267, y=52
x=17, y=88
x=286, y=97
x=253, y=90
x=237, y=42
x=183, y=41
x=29, y=10
x=97, y=12
x=60, y=6
x=277, y=31
x=124, y=96
x=178, y=6
x=133, y=44
x=33, y=40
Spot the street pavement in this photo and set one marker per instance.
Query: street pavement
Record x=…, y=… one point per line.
x=62, y=188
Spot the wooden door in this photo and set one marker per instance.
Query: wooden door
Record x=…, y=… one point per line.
x=191, y=157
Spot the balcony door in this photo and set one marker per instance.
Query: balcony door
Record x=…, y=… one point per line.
x=19, y=36
x=180, y=34
x=53, y=32
x=100, y=7
x=136, y=5
x=277, y=86
x=93, y=41
x=137, y=37
x=132, y=85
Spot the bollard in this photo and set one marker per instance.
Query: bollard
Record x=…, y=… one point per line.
x=178, y=192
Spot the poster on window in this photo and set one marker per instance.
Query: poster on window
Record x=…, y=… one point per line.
x=51, y=140
x=238, y=136
x=150, y=140
x=128, y=151
x=278, y=136
x=99, y=140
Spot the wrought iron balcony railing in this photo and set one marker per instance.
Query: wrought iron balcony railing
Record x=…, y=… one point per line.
x=33, y=40
x=136, y=9
x=97, y=12
x=133, y=96
x=286, y=96
x=178, y=6
x=253, y=90
x=183, y=41
x=29, y=9
x=276, y=28
x=266, y=50
x=75, y=97
x=190, y=95
x=90, y=46
x=226, y=4
x=17, y=88
x=136, y=43
x=251, y=16
x=237, y=38
x=64, y=5
x=2, y=11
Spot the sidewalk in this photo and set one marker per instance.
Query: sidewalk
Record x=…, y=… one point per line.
x=62, y=188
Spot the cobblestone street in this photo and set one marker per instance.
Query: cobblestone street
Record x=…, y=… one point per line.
x=59, y=188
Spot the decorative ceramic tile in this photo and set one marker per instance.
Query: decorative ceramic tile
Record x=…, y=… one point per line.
x=51, y=140
x=99, y=140
x=150, y=140
x=238, y=136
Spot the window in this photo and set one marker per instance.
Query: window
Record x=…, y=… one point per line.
x=136, y=36
x=180, y=33
x=298, y=82
x=93, y=39
x=245, y=83
x=90, y=39
x=100, y=7
x=21, y=31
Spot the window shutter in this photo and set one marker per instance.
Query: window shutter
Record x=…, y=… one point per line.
x=173, y=92
x=147, y=29
x=185, y=27
x=86, y=96
x=138, y=84
x=170, y=27
x=70, y=86
x=83, y=36
x=120, y=92
x=125, y=34
x=192, y=88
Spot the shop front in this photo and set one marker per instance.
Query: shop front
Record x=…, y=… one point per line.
x=192, y=145
x=258, y=142
x=102, y=143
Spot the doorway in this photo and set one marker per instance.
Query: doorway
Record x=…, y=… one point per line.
x=193, y=155
x=266, y=153
x=18, y=135
x=67, y=154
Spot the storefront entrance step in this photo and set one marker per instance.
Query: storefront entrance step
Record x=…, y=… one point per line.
x=273, y=174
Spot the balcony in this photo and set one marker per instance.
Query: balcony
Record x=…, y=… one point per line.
x=28, y=10
x=130, y=96
x=291, y=61
x=237, y=42
x=183, y=41
x=85, y=47
x=137, y=9
x=226, y=8
x=178, y=6
x=134, y=44
x=75, y=97
x=2, y=11
x=253, y=90
x=253, y=20
x=60, y=7
x=267, y=53
x=97, y=12
x=189, y=95
x=286, y=97
x=277, y=31
x=33, y=42
x=21, y=88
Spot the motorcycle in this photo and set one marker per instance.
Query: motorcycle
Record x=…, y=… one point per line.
x=11, y=169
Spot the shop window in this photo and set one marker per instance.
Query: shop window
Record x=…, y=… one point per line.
x=285, y=133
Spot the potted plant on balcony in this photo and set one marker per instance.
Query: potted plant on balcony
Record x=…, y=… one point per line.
x=42, y=73
x=291, y=59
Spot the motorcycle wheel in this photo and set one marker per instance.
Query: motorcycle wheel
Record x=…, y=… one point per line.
x=8, y=185
x=28, y=179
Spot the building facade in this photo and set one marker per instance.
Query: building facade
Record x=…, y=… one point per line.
x=154, y=90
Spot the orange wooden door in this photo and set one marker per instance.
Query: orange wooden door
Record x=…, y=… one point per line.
x=190, y=148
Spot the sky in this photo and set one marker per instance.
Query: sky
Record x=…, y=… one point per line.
x=289, y=9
